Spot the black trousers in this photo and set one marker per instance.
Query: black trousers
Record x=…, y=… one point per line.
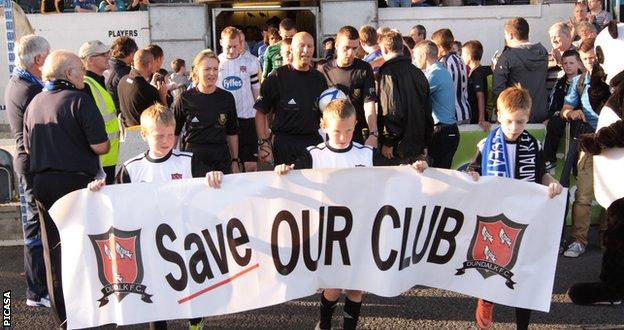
x=206, y=158
x=555, y=129
x=110, y=174
x=287, y=148
x=47, y=189
x=444, y=142
x=34, y=266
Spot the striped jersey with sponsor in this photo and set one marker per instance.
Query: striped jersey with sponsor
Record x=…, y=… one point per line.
x=456, y=67
x=324, y=156
x=176, y=165
x=238, y=76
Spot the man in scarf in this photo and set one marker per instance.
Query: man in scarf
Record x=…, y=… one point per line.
x=63, y=134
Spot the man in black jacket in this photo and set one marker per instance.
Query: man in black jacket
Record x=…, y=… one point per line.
x=404, y=104
x=122, y=54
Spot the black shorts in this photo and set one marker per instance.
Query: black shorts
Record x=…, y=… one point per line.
x=247, y=140
x=208, y=158
x=287, y=148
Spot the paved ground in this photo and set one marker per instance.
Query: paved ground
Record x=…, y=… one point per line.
x=419, y=308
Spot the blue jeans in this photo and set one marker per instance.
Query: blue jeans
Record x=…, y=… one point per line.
x=34, y=266
x=399, y=3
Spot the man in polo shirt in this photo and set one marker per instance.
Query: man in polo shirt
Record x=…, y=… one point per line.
x=291, y=93
x=356, y=77
x=445, y=137
x=95, y=55
x=64, y=134
x=135, y=93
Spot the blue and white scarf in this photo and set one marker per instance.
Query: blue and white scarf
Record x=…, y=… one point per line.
x=58, y=84
x=495, y=162
x=24, y=74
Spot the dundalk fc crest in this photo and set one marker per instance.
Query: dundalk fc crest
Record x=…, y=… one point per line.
x=119, y=263
x=494, y=247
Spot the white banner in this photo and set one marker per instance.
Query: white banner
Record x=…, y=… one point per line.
x=144, y=252
x=608, y=174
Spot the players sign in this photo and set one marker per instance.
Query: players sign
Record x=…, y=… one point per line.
x=144, y=252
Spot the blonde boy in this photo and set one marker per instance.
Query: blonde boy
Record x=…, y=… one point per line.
x=339, y=151
x=514, y=108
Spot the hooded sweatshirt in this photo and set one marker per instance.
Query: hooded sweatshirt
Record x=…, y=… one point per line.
x=527, y=65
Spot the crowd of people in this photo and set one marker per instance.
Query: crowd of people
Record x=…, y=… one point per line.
x=255, y=106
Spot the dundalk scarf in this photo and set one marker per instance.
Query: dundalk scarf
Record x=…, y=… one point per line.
x=495, y=162
x=24, y=74
x=58, y=84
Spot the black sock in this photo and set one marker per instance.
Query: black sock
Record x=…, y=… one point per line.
x=351, y=313
x=523, y=318
x=158, y=325
x=195, y=321
x=327, y=310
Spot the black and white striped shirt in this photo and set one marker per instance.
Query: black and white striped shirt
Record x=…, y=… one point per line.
x=239, y=76
x=459, y=72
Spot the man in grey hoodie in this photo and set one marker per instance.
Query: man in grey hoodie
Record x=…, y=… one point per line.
x=524, y=63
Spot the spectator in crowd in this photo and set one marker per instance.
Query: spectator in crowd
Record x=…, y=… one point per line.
x=272, y=57
x=383, y=29
x=418, y=33
x=242, y=67
x=597, y=15
x=355, y=77
x=329, y=48
x=445, y=136
x=472, y=52
x=85, y=6
x=444, y=39
x=457, y=47
x=271, y=38
x=24, y=84
x=584, y=31
x=408, y=45
x=399, y=3
x=369, y=42
x=95, y=56
x=576, y=97
x=259, y=42
x=122, y=54
x=404, y=104
x=207, y=114
x=136, y=93
x=524, y=63
x=64, y=133
x=112, y=5
x=286, y=51
x=561, y=40
x=159, y=56
x=555, y=129
x=291, y=95
x=178, y=79
x=580, y=13
x=138, y=5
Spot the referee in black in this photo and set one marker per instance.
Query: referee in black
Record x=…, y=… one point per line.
x=291, y=93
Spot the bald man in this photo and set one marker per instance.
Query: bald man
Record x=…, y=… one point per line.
x=64, y=133
x=291, y=93
x=136, y=93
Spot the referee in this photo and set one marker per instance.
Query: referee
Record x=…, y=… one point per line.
x=291, y=93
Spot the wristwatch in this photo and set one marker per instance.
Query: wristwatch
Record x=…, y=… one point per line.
x=374, y=133
x=262, y=141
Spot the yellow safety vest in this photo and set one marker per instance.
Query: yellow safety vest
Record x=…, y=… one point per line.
x=105, y=103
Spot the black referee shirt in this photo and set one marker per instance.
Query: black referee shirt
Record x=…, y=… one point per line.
x=207, y=118
x=357, y=81
x=135, y=95
x=293, y=96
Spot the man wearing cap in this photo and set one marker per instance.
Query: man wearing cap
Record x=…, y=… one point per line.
x=95, y=55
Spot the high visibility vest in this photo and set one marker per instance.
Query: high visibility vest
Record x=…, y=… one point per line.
x=105, y=103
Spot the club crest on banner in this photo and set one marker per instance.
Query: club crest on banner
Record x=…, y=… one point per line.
x=494, y=247
x=120, y=268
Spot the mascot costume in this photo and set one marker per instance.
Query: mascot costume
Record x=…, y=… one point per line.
x=606, y=92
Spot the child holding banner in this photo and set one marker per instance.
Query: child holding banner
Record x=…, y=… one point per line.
x=158, y=164
x=518, y=148
x=339, y=151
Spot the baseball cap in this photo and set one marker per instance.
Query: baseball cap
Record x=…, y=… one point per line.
x=93, y=47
